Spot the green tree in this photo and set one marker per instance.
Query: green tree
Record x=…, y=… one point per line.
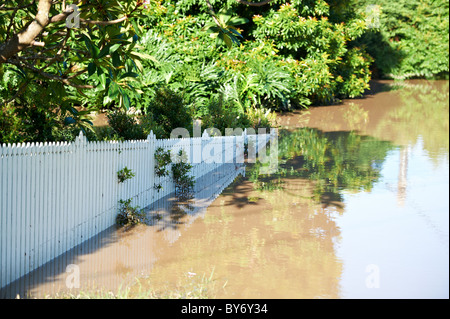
x=37, y=42
x=410, y=39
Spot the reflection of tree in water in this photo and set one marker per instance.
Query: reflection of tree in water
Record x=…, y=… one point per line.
x=423, y=113
x=335, y=161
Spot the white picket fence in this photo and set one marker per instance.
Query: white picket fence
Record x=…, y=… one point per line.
x=55, y=196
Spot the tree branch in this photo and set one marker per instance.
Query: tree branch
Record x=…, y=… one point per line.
x=4, y=8
x=254, y=4
x=26, y=37
x=51, y=76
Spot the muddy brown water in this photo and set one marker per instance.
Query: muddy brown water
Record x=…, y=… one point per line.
x=358, y=209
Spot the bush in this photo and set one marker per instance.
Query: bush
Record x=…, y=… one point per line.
x=10, y=126
x=224, y=114
x=149, y=125
x=291, y=54
x=315, y=43
x=411, y=39
x=184, y=183
x=43, y=113
x=124, y=127
x=164, y=112
x=129, y=215
x=167, y=109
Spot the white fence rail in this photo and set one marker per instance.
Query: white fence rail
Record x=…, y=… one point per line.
x=54, y=196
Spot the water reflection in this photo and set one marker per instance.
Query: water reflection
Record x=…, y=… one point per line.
x=335, y=161
x=400, y=226
x=402, y=176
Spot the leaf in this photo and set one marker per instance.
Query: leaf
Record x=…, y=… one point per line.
x=103, y=52
x=238, y=21
x=87, y=41
x=236, y=33
x=139, y=65
x=228, y=40
x=93, y=49
x=69, y=120
x=126, y=100
x=225, y=16
x=144, y=56
x=128, y=75
x=210, y=25
x=116, y=59
x=113, y=91
x=102, y=79
x=114, y=48
x=91, y=68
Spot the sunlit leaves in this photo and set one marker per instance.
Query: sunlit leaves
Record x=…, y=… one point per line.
x=224, y=27
x=412, y=38
x=98, y=53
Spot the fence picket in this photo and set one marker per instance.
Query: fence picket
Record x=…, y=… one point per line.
x=4, y=167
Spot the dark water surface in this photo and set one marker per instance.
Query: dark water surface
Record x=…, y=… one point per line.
x=359, y=208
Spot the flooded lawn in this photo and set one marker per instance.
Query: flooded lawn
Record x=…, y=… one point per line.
x=359, y=208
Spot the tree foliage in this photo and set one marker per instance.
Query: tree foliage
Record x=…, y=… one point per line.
x=410, y=39
x=36, y=42
x=246, y=58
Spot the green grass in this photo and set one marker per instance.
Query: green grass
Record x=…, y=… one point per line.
x=191, y=287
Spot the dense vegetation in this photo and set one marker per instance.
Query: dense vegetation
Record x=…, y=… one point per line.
x=224, y=62
x=410, y=38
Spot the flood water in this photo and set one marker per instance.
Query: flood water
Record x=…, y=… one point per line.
x=359, y=208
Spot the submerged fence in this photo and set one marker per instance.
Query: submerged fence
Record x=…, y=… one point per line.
x=55, y=196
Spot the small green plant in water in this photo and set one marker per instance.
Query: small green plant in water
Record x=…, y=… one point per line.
x=129, y=215
x=124, y=174
x=184, y=183
x=162, y=160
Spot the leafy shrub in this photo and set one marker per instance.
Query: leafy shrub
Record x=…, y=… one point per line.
x=184, y=183
x=315, y=42
x=124, y=126
x=124, y=174
x=148, y=125
x=411, y=39
x=10, y=126
x=162, y=160
x=169, y=111
x=355, y=73
x=40, y=113
x=129, y=215
x=292, y=55
x=223, y=114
